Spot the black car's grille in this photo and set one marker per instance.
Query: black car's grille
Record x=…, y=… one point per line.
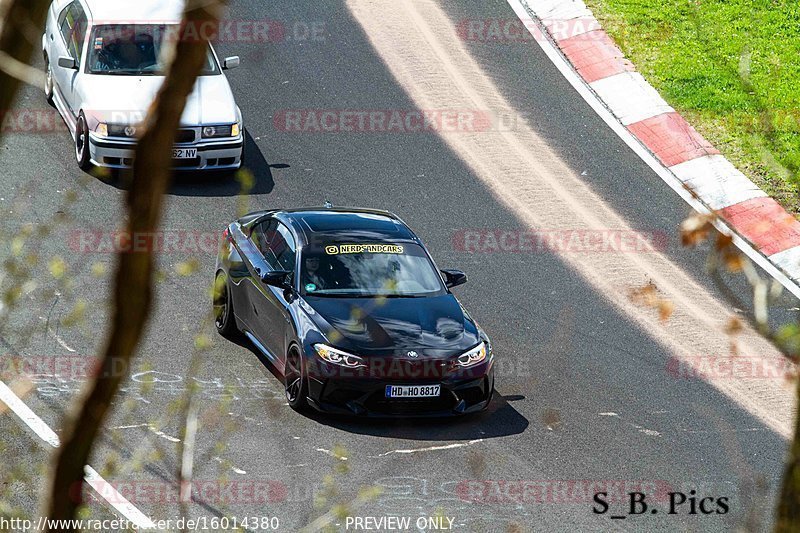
x=398, y=370
x=184, y=136
x=472, y=395
x=342, y=396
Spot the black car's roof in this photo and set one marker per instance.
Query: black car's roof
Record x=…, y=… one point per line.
x=319, y=223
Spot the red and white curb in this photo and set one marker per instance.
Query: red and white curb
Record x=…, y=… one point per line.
x=763, y=229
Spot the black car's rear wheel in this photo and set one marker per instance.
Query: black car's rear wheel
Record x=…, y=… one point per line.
x=223, y=307
x=294, y=380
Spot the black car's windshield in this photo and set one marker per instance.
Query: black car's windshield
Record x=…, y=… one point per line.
x=366, y=269
x=135, y=49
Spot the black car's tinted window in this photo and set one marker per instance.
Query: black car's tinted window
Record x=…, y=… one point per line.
x=368, y=269
x=276, y=244
x=282, y=249
x=261, y=235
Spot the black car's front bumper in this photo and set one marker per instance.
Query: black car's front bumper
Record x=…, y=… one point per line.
x=465, y=392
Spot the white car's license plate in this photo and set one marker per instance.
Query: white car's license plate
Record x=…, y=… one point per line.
x=412, y=391
x=184, y=153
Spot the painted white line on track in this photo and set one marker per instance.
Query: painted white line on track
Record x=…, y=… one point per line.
x=152, y=430
x=61, y=342
x=639, y=149
x=431, y=448
x=30, y=418
x=117, y=500
x=100, y=485
x=332, y=454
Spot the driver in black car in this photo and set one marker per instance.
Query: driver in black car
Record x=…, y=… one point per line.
x=313, y=273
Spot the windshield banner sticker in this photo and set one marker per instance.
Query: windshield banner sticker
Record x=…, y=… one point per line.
x=363, y=248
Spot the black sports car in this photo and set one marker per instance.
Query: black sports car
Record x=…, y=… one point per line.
x=349, y=306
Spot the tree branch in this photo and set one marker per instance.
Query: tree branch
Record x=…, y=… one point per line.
x=23, y=20
x=133, y=292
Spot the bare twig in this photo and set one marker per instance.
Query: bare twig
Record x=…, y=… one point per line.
x=187, y=455
x=21, y=71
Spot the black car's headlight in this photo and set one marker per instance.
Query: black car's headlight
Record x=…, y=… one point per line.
x=338, y=357
x=473, y=357
x=227, y=130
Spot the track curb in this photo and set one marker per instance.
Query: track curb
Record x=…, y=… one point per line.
x=682, y=152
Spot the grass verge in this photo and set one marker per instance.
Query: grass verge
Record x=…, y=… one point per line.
x=731, y=68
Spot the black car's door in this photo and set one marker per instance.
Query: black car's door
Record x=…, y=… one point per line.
x=248, y=278
x=271, y=319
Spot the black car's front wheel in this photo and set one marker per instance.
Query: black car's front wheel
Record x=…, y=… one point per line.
x=294, y=380
x=223, y=307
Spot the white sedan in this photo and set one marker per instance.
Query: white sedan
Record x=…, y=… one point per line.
x=105, y=63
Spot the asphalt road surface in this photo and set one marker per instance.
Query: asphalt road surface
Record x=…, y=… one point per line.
x=585, y=397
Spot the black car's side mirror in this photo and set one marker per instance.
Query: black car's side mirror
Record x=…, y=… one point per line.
x=454, y=278
x=277, y=278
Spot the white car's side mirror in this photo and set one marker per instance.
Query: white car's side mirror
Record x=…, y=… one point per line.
x=67, y=62
x=230, y=62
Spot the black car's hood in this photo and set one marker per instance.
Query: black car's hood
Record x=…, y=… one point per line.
x=436, y=326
